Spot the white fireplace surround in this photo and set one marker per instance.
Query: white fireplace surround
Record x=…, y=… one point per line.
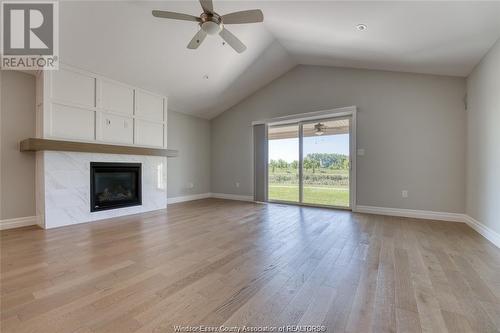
x=80, y=106
x=63, y=189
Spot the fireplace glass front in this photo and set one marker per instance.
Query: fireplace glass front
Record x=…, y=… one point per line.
x=114, y=185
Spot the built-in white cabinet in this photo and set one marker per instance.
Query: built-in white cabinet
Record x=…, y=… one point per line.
x=81, y=106
x=117, y=129
x=72, y=123
x=73, y=87
x=148, y=133
x=148, y=106
x=116, y=97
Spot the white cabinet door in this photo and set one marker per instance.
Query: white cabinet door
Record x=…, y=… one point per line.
x=117, y=97
x=148, y=133
x=117, y=129
x=148, y=106
x=73, y=88
x=72, y=123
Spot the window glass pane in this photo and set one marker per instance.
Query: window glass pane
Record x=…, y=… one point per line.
x=283, y=160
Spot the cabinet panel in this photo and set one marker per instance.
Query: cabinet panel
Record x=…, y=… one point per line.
x=72, y=123
x=117, y=129
x=73, y=87
x=148, y=133
x=149, y=106
x=39, y=88
x=116, y=97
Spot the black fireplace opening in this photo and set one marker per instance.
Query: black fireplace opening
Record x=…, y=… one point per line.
x=114, y=185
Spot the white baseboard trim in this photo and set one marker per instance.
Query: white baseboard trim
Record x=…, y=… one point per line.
x=18, y=222
x=209, y=195
x=483, y=230
x=232, y=197
x=419, y=214
x=188, y=198
x=486, y=232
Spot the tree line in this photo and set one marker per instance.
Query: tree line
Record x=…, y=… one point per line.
x=314, y=161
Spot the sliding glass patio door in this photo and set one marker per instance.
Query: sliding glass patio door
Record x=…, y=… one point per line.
x=309, y=162
x=326, y=163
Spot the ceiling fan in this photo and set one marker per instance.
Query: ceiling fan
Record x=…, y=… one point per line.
x=212, y=23
x=319, y=129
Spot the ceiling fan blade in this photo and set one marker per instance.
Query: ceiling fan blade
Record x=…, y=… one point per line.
x=175, y=16
x=232, y=40
x=207, y=5
x=197, y=39
x=245, y=16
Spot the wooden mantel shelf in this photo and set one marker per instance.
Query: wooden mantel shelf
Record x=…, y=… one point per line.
x=34, y=144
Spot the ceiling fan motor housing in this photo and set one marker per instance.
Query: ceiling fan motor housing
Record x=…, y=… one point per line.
x=211, y=24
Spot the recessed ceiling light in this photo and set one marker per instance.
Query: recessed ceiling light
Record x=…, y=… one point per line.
x=361, y=27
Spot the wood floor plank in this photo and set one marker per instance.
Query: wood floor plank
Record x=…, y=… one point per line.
x=384, y=319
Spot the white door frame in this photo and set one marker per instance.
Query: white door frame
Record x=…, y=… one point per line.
x=350, y=111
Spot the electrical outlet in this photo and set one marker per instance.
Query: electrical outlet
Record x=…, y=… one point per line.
x=361, y=152
x=404, y=194
x=190, y=185
x=237, y=184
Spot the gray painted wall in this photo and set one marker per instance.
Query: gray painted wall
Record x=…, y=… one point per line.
x=191, y=136
x=17, y=170
x=483, y=141
x=411, y=126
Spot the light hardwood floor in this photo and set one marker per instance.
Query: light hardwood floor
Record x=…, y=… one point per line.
x=216, y=262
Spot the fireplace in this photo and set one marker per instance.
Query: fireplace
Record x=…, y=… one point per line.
x=114, y=185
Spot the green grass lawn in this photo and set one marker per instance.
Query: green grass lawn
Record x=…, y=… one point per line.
x=312, y=194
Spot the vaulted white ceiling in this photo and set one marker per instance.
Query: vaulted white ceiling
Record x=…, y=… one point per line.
x=122, y=40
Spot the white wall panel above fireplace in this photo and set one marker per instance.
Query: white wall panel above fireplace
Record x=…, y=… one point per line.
x=148, y=133
x=117, y=129
x=116, y=97
x=73, y=87
x=149, y=106
x=72, y=122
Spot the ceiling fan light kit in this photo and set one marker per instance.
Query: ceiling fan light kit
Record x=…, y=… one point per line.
x=212, y=23
x=211, y=27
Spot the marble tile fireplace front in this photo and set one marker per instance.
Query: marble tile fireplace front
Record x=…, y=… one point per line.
x=65, y=194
